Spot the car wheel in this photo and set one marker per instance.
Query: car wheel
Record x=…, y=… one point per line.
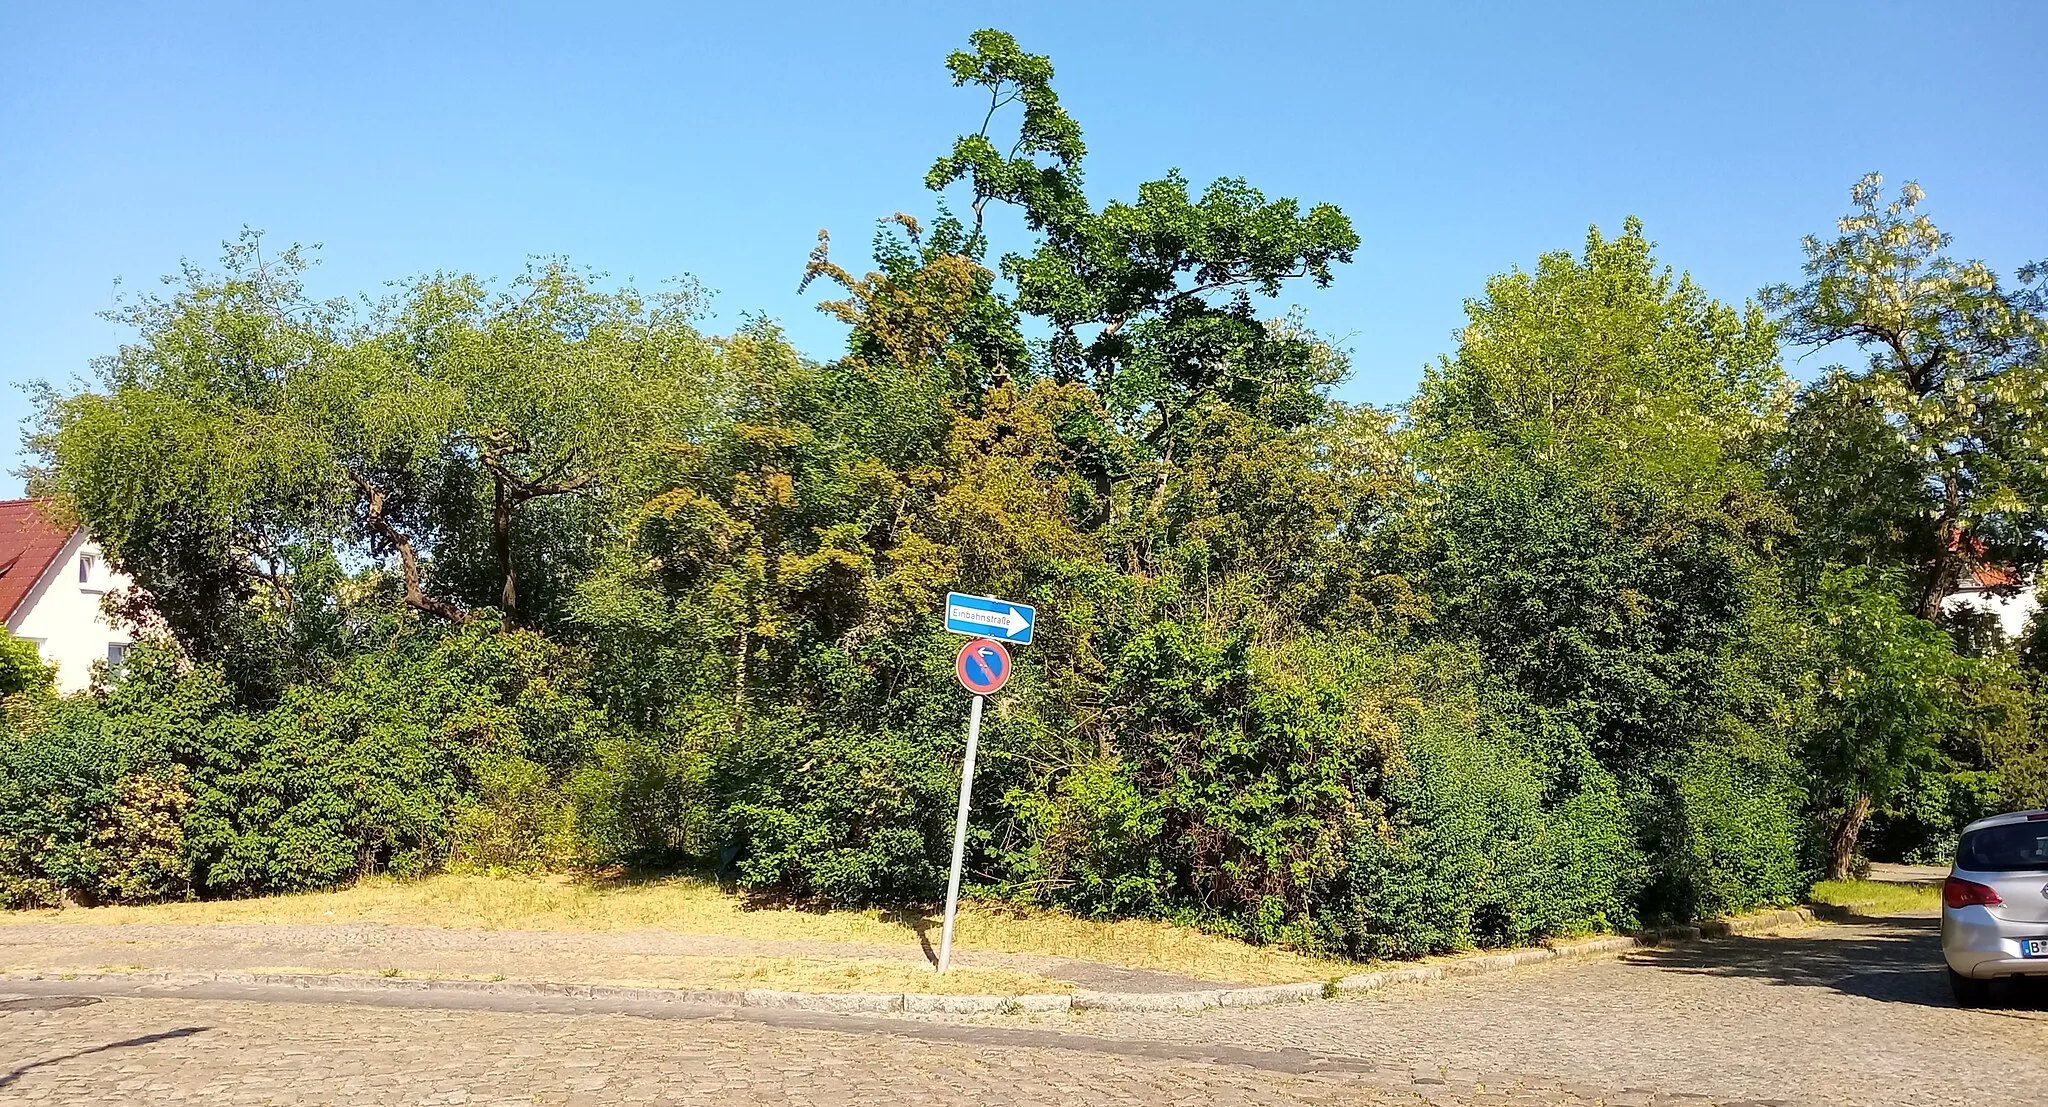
x=1969, y=992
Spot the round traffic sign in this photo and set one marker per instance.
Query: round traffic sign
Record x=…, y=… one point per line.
x=983, y=666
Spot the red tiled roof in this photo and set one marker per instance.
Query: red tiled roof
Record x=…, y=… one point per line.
x=1979, y=574
x=28, y=543
x=1991, y=576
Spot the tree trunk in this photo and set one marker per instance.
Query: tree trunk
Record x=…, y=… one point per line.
x=375, y=500
x=739, y=676
x=508, y=491
x=501, y=544
x=1938, y=588
x=1948, y=555
x=1842, y=846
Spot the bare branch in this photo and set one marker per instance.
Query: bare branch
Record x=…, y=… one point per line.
x=408, y=559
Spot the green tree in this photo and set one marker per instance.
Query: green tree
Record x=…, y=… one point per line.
x=195, y=467
x=1888, y=685
x=557, y=390
x=22, y=668
x=1149, y=300
x=1605, y=362
x=1934, y=456
x=1592, y=517
x=282, y=479
x=1595, y=515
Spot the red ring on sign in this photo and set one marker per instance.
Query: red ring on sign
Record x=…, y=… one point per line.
x=983, y=666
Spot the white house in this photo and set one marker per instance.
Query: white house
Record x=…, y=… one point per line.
x=51, y=585
x=1979, y=592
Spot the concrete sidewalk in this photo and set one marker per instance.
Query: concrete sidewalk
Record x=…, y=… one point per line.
x=1886, y=872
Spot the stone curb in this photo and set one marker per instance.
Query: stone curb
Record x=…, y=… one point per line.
x=873, y=1003
x=843, y=1003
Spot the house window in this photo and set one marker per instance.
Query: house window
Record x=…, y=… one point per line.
x=84, y=568
x=117, y=652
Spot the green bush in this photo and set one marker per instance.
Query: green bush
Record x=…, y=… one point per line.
x=91, y=803
x=640, y=799
x=844, y=815
x=22, y=669
x=1735, y=837
x=1091, y=843
x=1471, y=853
x=161, y=786
x=515, y=821
x=1338, y=795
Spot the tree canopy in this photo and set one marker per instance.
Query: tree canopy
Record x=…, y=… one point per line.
x=1612, y=623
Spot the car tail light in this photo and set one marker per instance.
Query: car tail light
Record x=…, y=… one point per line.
x=1957, y=892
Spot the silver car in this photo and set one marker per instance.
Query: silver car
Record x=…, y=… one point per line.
x=1994, y=904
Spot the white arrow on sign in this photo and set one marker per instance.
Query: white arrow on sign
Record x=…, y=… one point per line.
x=1009, y=622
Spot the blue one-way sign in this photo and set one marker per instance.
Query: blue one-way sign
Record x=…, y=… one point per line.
x=985, y=618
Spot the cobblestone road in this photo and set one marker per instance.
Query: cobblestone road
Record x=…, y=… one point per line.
x=1854, y=1014
x=1857, y=1013
x=186, y=1051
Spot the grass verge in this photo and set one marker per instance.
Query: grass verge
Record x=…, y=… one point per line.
x=694, y=906
x=1877, y=898
x=786, y=974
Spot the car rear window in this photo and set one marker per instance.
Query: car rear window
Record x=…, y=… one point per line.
x=2003, y=849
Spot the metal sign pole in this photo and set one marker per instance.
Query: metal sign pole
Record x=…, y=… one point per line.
x=960, y=833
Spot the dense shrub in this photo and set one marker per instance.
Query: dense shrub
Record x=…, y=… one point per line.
x=517, y=820
x=1338, y=795
x=161, y=786
x=847, y=799
x=639, y=800
x=1731, y=839
x=90, y=808
x=22, y=669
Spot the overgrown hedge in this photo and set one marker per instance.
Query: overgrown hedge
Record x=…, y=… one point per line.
x=1338, y=795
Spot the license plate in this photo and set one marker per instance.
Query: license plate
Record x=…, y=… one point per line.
x=2034, y=947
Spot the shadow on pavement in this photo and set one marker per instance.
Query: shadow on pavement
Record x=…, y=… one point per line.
x=146, y=1039
x=919, y=921
x=1894, y=960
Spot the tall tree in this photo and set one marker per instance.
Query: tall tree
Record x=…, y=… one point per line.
x=270, y=469
x=1605, y=362
x=558, y=386
x=1150, y=301
x=1593, y=519
x=202, y=463
x=1888, y=690
x=1934, y=455
x=1594, y=512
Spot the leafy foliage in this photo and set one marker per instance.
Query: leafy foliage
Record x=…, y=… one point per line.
x=1933, y=456
x=1605, y=627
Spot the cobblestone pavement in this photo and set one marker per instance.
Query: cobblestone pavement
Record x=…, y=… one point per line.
x=649, y=956
x=1857, y=1013
x=1850, y=1014
x=178, y=1050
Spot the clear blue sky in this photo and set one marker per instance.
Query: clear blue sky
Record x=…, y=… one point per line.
x=651, y=140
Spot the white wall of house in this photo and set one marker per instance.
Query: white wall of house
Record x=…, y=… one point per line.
x=62, y=615
x=2012, y=612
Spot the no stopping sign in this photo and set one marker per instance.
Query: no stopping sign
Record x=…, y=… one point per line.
x=983, y=666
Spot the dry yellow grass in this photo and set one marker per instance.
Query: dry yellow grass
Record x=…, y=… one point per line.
x=694, y=906
x=789, y=974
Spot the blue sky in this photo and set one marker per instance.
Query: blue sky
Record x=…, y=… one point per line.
x=653, y=140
